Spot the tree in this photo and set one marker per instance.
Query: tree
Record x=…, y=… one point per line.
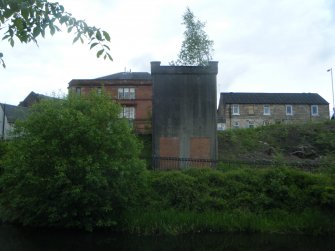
x=196, y=49
x=28, y=19
x=74, y=163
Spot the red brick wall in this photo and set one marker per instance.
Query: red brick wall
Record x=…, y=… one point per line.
x=142, y=101
x=200, y=148
x=169, y=147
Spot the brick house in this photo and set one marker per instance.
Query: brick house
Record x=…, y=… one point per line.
x=247, y=110
x=132, y=90
x=33, y=98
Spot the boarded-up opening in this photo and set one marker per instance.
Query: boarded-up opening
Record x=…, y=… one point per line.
x=169, y=147
x=200, y=148
x=169, y=151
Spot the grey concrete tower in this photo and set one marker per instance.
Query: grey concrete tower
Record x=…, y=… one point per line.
x=184, y=111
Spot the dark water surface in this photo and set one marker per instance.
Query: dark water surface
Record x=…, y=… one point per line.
x=19, y=239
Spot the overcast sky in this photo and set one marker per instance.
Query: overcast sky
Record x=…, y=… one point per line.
x=261, y=45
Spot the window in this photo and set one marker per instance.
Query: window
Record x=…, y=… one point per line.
x=99, y=91
x=221, y=126
x=78, y=90
x=314, y=110
x=289, y=110
x=236, y=124
x=266, y=122
x=128, y=112
x=251, y=124
x=251, y=110
x=236, y=110
x=266, y=110
x=126, y=93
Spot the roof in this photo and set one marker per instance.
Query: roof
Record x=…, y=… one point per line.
x=128, y=76
x=272, y=98
x=14, y=112
x=32, y=98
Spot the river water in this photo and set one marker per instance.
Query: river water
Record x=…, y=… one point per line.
x=24, y=239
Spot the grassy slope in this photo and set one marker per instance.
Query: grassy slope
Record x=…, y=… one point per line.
x=310, y=142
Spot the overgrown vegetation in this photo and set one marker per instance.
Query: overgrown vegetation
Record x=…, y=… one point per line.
x=74, y=163
x=310, y=142
x=264, y=200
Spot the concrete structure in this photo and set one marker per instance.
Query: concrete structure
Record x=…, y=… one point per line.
x=133, y=90
x=243, y=110
x=184, y=111
x=8, y=115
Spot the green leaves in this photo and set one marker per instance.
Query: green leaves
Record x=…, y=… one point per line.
x=107, y=37
x=2, y=61
x=72, y=170
x=28, y=19
x=196, y=48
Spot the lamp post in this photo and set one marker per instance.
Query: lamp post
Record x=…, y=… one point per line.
x=331, y=75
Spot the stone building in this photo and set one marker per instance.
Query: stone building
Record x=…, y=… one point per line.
x=247, y=110
x=132, y=90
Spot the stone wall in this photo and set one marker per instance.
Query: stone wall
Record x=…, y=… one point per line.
x=253, y=114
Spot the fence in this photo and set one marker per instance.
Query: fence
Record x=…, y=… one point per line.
x=167, y=163
x=173, y=163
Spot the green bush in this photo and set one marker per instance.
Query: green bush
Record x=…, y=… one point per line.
x=254, y=190
x=74, y=163
x=278, y=140
x=175, y=189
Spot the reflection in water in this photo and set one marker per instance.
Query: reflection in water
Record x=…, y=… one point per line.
x=23, y=239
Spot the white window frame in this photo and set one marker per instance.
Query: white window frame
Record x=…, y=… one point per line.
x=221, y=126
x=127, y=112
x=251, y=124
x=126, y=93
x=266, y=122
x=78, y=90
x=236, y=124
x=235, y=109
x=289, y=113
x=266, y=110
x=99, y=90
x=316, y=113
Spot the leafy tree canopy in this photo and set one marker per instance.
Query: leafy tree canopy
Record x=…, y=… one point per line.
x=74, y=163
x=28, y=19
x=196, y=49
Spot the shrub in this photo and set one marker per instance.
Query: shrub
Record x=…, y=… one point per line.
x=74, y=163
x=175, y=189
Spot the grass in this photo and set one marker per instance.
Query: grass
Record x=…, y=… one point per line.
x=174, y=222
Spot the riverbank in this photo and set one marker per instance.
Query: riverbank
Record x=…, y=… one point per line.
x=282, y=200
x=311, y=222
x=27, y=239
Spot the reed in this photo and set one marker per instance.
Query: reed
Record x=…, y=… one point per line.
x=174, y=222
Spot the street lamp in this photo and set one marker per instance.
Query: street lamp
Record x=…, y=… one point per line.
x=331, y=75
